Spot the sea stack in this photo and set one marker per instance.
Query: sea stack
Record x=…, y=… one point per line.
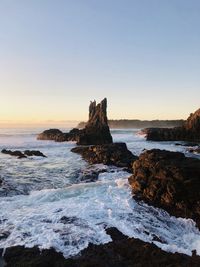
x=96, y=131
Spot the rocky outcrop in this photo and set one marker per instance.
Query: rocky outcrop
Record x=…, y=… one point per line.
x=194, y=150
x=168, y=180
x=95, y=132
x=58, y=136
x=51, y=134
x=190, y=131
x=122, y=251
x=19, y=154
x=115, y=154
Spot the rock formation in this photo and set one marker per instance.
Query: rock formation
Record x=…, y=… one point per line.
x=115, y=154
x=96, y=131
x=168, y=180
x=19, y=154
x=122, y=251
x=190, y=131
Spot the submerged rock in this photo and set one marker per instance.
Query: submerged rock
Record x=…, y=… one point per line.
x=190, y=131
x=95, y=132
x=115, y=154
x=19, y=154
x=36, y=153
x=168, y=180
x=194, y=150
x=122, y=251
x=15, y=153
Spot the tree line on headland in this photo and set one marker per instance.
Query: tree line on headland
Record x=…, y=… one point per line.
x=125, y=123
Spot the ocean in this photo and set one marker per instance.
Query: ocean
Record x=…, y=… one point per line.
x=46, y=202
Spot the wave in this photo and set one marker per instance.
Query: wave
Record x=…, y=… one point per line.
x=69, y=219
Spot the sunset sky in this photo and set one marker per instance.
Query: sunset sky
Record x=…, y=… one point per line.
x=57, y=55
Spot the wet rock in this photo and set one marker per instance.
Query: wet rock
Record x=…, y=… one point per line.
x=20, y=154
x=4, y=235
x=168, y=180
x=115, y=154
x=51, y=134
x=186, y=144
x=68, y=220
x=122, y=251
x=15, y=153
x=36, y=153
x=95, y=132
x=194, y=150
x=190, y=131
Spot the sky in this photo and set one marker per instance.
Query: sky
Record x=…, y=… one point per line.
x=57, y=55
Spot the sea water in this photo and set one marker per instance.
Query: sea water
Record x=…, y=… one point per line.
x=46, y=202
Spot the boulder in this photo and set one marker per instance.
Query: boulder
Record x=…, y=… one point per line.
x=168, y=180
x=190, y=131
x=115, y=154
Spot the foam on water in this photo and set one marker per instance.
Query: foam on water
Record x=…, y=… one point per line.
x=69, y=218
x=58, y=211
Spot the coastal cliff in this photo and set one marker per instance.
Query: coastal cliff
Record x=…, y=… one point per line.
x=190, y=131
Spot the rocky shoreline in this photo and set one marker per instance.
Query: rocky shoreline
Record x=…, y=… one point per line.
x=122, y=251
x=190, y=131
x=170, y=181
x=115, y=154
x=96, y=131
x=164, y=179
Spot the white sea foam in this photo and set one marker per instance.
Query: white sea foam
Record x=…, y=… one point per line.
x=59, y=211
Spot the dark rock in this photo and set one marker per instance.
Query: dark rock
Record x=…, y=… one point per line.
x=52, y=134
x=190, y=131
x=4, y=235
x=168, y=180
x=115, y=154
x=36, y=153
x=122, y=251
x=95, y=132
x=186, y=144
x=194, y=150
x=15, y=153
x=20, y=154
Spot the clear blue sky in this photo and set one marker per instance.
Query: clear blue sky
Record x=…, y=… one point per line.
x=57, y=55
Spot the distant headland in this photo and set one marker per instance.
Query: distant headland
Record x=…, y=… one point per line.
x=138, y=124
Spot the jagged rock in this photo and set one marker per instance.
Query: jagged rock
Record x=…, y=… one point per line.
x=168, y=180
x=190, y=131
x=122, y=251
x=20, y=154
x=95, y=132
x=115, y=154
